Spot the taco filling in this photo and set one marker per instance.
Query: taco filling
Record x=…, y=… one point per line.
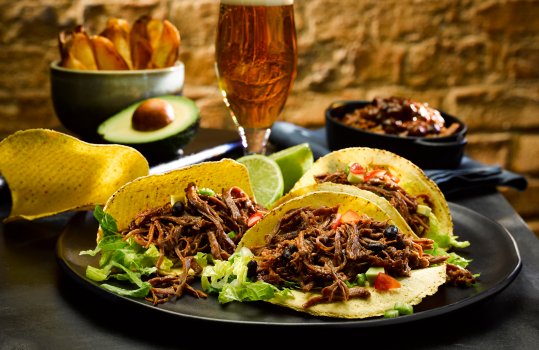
x=206, y=223
x=330, y=253
x=414, y=209
x=318, y=249
x=157, y=232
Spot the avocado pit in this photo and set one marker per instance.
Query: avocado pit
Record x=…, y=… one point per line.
x=152, y=114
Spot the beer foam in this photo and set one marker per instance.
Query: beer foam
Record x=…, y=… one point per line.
x=258, y=2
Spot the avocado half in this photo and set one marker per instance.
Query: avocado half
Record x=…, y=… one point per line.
x=157, y=145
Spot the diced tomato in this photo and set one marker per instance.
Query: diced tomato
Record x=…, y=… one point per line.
x=337, y=221
x=253, y=219
x=393, y=177
x=379, y=173
x=384, y=281
x=350, y=216
x=356, y=168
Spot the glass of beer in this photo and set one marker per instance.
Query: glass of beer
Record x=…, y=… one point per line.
x=256, y=62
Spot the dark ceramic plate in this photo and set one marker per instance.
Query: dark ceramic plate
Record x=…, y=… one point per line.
x=443, y=152
x=488, y=239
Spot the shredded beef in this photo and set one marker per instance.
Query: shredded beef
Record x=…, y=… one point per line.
x=405, y=203
x=399, y=116
x=308, y=250
x=201, y=226
x=459, y=276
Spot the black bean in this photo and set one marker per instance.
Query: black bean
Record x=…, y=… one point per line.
x=177, y=209
x=251, y=269
x=287, y=253
x=391, y=232
x=376, y=247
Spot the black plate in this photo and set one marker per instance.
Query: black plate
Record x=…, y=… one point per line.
x=488, y=239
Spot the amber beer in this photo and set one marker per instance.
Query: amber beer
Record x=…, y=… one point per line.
x=256, y=58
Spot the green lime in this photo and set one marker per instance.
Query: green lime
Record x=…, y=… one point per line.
x=294, y=161
x=266, y=178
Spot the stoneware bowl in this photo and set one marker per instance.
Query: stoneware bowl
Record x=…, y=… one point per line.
x=83, y=99
x=443, y=152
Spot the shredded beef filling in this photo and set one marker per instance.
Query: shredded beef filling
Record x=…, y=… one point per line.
x=180, y=232
x=459, y=277
x=405, y=203
x=308, y=250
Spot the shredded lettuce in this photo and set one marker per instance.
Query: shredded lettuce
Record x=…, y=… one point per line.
x=458, y=260
x=228, y=279
x=444, y=240
x=122, y=260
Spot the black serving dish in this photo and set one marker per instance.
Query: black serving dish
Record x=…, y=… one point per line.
x=444, y=152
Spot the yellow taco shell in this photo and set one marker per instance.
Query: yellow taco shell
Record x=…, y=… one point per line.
x=413, y=290
x=412, y=178
x=334, y=187
x=255, y=236
x=155, y=190
x=49, y=172
x=421, y=283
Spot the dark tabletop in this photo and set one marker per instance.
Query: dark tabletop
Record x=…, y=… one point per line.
x=42, y=307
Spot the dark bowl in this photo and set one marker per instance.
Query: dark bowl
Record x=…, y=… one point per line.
x=444, y=152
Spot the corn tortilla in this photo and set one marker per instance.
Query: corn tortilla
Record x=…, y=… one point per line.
x=49, y=172
x=155, y=190
x=413, y=290
x=381, y=202
x=421, y=283
x=412, y=178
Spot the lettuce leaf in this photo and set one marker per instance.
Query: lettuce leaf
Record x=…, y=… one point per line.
x=445, y=240
x=122, y=260
x=228, y=279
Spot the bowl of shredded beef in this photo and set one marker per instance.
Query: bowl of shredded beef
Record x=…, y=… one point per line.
x=430, y=138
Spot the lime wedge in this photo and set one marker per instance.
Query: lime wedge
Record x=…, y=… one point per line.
x=266, y=178
x=294, y=161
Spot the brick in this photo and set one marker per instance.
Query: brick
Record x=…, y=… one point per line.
x=526, y=157
x=522, y=62
x=496, y=107
x=507, y=17
x=492, y=149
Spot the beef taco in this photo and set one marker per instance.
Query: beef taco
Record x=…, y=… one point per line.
x=330, y=254
x=157, y=231
x=380, y=201
x=404, y=185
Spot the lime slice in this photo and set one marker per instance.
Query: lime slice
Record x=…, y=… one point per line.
x=266, y=178
x=294, y=161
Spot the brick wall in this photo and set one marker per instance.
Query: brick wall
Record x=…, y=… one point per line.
x=477, y=59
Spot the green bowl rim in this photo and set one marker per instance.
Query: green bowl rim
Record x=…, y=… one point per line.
x=179, y=65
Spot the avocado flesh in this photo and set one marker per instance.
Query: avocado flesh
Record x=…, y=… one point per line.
x=118, y=129
x=157, y=145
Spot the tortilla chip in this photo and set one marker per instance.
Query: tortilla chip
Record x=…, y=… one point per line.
x=49, y=172
x=413, y=289
x=412, y=178
x=155, y=190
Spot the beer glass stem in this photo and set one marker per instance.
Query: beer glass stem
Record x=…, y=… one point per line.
x=254, y=140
